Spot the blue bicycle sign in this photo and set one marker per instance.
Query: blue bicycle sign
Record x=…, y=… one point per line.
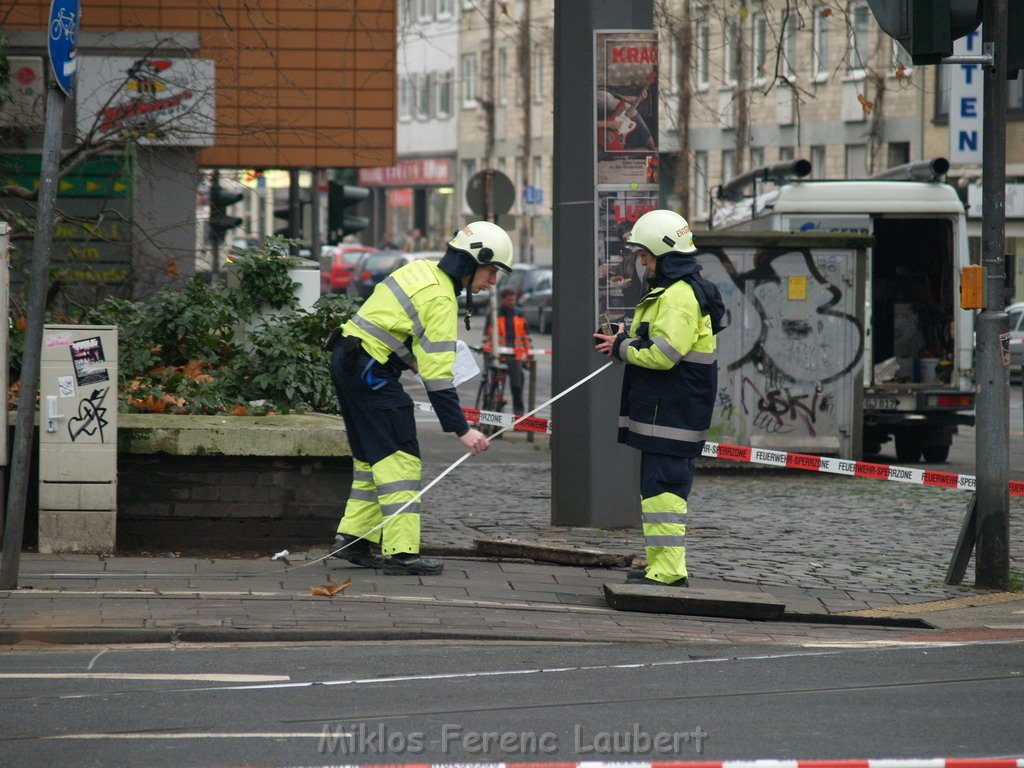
x=64, y=19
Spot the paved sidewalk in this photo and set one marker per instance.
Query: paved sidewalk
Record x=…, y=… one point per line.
x=854, y=560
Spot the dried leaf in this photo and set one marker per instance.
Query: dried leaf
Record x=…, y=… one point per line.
x=826, y=12
x=901, y=72
x=866, y=105
x=239, y=410
x=330, y=589
x=171, y=268
x=194, y=369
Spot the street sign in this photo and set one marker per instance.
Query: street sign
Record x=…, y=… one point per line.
x=64, y=17
x=490, y=192
x=533, y=195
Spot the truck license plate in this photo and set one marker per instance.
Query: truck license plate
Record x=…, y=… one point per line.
x=881, y=403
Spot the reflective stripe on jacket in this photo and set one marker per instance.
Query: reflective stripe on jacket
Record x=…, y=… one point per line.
x=671, y=380
x=413, y=308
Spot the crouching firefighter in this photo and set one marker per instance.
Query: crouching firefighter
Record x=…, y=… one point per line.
x=669, y=387
x=408, y=322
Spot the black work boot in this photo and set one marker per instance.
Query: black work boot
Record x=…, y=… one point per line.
x=405, y=563
x=683, y=582
x=357, y=551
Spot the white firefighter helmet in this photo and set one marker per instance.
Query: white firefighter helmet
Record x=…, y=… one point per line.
x=662, y=232
x=486, y=243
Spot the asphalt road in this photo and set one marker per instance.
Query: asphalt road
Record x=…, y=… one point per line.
x=442, y=702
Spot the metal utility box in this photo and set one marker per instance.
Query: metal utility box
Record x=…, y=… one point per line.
x=790, y=361
x=78, y=439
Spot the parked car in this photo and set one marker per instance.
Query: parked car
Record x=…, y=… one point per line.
x=337, y=263
x=535, y=303
x=372, y=268
x=1016, y=313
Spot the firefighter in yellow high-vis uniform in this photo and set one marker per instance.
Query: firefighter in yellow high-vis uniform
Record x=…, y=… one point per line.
x=669, y=387
x=409, y=322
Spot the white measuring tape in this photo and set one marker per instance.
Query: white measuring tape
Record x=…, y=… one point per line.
x=452, y=466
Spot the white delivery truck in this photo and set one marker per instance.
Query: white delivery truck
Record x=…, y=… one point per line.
x=918, y=342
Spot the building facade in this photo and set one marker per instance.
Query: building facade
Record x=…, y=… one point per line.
x=167, y=87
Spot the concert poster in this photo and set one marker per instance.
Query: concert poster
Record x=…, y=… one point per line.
x=626, y=107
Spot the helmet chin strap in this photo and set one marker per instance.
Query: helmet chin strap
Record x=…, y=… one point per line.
x=469, y=304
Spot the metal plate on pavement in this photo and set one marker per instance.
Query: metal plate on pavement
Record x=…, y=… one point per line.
x=688, y=601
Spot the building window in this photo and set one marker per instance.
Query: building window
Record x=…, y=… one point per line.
x=469, y=81
x=731, y=51
x=423, y=83
x=404, y=100
x=756, y=157
x=538, y=74
x=759, y=46
x=860, y=38
x=785, y=153
x=700, y=184
x=466, y=170
x=819, y=53
x=703, y=54
x=425, y=10
x=856, y=161
x=444, y=8
x=404, y=12
x=818, y=158
x=899, y=153
x=728, y=164
x=502, y=84
x=674, y=46
x=444, y=93
x=789, y=51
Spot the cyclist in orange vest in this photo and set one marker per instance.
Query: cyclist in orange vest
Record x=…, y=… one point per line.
x=512, y=333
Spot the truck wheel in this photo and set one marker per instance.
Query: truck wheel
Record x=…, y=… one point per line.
x=908, y=448
x=935, y=453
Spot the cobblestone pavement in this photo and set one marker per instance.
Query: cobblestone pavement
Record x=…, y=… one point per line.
x=764, y=527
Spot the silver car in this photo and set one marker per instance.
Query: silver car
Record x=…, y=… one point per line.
x=1016, y=313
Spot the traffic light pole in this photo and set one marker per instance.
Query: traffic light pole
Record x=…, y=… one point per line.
x=992, y=555
x=216, y=238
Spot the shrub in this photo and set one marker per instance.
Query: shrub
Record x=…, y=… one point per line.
x=184, y=350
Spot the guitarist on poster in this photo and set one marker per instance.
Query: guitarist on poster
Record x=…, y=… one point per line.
x=621, y=128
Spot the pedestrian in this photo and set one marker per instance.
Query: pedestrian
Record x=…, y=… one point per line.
x=512, y=333
x=408, y=322
x=669, y=387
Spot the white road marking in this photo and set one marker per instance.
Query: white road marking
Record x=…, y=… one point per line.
x=504, y=672
x=211, y=677
x=94, y=658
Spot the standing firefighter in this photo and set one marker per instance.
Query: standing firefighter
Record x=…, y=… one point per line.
x=409, y=322
x=670, y=383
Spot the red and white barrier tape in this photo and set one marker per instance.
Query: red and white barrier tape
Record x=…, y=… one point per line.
x=804, y=461
x=785, y=459
x=494, y=419
x=912, y=762
x=531, y=352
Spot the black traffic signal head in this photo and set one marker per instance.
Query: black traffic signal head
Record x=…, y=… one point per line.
x=220, y=200
x=927, y=28
x=340, y=220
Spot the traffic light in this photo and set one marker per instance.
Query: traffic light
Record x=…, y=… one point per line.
x=283, y=212
x=340, y=221
x=927, y=28
x=220, y=200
